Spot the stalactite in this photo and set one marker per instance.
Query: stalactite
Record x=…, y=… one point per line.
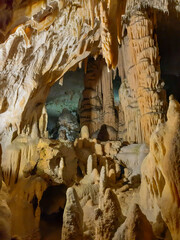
x=108, y=34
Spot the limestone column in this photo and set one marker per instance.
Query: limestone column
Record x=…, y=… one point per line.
x=91, y=104
x=97, y=106
x=142, y=72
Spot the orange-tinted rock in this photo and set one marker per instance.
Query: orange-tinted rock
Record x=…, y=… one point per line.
x=160, y=172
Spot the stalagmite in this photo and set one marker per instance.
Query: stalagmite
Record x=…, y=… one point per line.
x=89, y=165
x=72, y=217
x=61, y=168
x=43, y=123
x=84, y=132
x=110, y=216
x=112, y=175
x=136, y=226
x=102, y=184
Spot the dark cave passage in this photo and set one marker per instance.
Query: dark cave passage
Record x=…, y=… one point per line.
x=62, y=106
x=116, y=86
x=52, y=207
x=168, y=36
x=82, y=100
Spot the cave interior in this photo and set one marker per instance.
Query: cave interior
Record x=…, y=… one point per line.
x=90, y=120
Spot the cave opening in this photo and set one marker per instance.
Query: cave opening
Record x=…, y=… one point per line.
x=62, y=106
x=168, y=37
x=52, y=208
x=90, y=99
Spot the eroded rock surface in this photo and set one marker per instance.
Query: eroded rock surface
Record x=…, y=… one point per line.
x=160, y=169
x=72, y=217
x=136, y=226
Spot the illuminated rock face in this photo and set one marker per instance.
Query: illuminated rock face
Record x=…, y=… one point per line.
x=43, y=40
x=32, y=61
x=146, y=101
x=39, y=42
x=160, y=170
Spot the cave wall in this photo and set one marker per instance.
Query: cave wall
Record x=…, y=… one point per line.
x=160, y=183
x=41, y=51
x=40, y=42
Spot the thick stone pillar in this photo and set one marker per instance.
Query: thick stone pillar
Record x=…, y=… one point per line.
x=97, y=106
x=142, y=77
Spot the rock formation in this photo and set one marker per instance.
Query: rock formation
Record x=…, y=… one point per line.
x=72, y=217
x=5, y=213
x=160, y=183
x=109, y=170
x=146, y=98
x=97, y=106
x=108, y=216
x=136, y=226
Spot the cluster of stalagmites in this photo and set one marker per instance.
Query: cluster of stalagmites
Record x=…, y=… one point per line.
x=105, y=198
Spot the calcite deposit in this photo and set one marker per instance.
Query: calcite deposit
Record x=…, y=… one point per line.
x=109, y=169
x=160, y=185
